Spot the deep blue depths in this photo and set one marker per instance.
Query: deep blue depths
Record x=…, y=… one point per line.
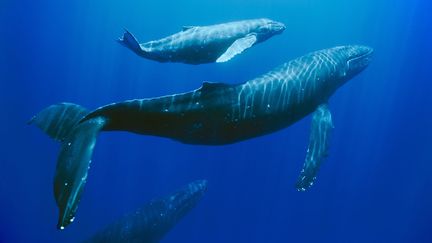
x=374, y=187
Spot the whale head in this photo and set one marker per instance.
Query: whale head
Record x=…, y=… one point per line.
x=266, y=28
x=353, y=59
x=181, y=202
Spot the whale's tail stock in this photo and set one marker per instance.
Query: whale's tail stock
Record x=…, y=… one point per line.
x=62, y=122
x=131, y=42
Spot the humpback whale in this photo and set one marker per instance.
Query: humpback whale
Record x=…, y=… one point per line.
x=151, y=222
x=214, y=114
x=205, y=44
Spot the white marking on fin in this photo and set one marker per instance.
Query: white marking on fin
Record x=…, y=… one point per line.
x=237, y=47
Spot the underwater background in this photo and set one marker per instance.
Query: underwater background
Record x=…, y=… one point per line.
x=375, y=186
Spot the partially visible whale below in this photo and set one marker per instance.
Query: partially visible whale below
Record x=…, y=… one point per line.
x=206, y=44
x=214, y=114
x=151, y=222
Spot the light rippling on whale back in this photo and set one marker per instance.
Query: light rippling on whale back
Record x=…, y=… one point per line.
x=205, y=34
x=214, y=114
x=205, y=44
x=293, y=83
x=309, y=79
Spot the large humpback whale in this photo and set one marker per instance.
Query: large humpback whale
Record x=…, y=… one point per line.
x=214, y=114
x=151, y=222
x=205, y=44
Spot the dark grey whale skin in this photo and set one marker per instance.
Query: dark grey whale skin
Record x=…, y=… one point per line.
x=150, y=223
x=217, y=114
x=214, y=114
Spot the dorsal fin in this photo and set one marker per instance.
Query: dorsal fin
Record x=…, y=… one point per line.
x=210, y=86
x=186, y=27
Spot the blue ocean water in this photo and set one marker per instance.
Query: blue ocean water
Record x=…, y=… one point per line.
x=375, y=186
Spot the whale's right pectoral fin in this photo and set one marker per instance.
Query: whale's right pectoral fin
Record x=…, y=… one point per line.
x=238, y=47
x=317, y=148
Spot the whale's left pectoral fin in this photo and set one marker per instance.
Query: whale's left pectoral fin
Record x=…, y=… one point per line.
x=317, y=148
x=238, y=47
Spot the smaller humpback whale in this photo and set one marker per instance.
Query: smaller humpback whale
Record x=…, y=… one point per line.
x=151, y=222
x=205, y=44
x=214, y=114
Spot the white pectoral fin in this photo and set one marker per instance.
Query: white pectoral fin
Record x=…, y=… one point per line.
x=237, y=47
x=317, y=148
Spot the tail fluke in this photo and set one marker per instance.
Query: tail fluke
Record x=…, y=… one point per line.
x=62, y=122
x=72, y=167
x=58, y=120
x=131, y=42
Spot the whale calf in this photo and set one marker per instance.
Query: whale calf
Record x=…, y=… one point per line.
x=151, y=222
x=214, y=114
x=205, y=44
